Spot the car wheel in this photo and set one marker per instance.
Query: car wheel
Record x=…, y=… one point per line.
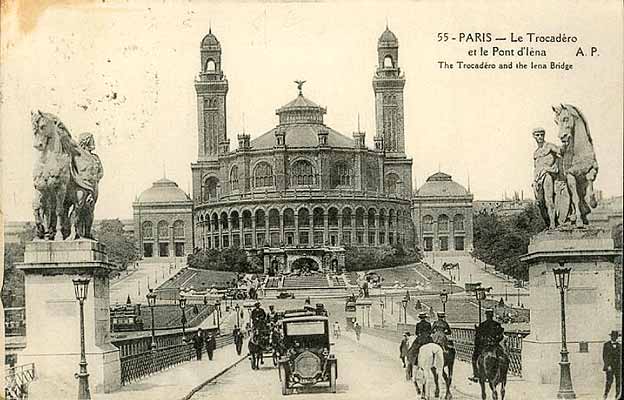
x=332, y=377
x=284, y=380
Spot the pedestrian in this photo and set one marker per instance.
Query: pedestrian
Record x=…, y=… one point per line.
x=358, y=330
x=238, y=339
x=211, y=345
x=404, y=347
x=611, y=356
x=198, y=343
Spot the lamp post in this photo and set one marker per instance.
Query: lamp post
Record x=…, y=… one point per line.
x=218, y=310
x=382, y=305
x=480, y=294
x=237, y=308
x=81, y=285
x=444, y=299
x=151, y=301
x=562, y=282
x=182, y=304
x=404, y=304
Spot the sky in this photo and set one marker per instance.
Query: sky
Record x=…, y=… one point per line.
x=125, y=72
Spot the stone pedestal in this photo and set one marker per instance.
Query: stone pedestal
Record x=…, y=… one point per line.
x=53, y=315
x=589, y=306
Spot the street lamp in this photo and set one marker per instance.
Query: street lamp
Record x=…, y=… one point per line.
x=382, y=305
x=237, y=308
x=182, y=303
x=151, y=302
x=218, y=310
x=404, y=304
x=81, y=286
x=444, y=299
x=480, y=294
x=562, y=282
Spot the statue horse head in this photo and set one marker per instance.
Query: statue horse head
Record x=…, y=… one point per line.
x=46, y=129
x=578, y=148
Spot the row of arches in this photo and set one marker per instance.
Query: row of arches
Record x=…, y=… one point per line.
x=304, y=225
x=303, y=173
x=443, y=223
x=162, y=239
x=162, y=230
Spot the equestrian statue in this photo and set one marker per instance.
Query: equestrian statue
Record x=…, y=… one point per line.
x=66, y=177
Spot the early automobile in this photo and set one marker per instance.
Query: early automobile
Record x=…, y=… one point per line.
x=306, y=359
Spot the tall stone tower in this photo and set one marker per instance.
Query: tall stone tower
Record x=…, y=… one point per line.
x=211, y=88
x=388, y=84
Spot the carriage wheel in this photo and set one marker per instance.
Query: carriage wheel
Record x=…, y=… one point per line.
x=284, y=380
x=333, y=374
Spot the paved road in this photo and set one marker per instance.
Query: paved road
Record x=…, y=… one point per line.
x=362, y=374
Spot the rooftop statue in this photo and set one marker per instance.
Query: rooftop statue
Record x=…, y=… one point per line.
x=579, y=165
x=65, y=177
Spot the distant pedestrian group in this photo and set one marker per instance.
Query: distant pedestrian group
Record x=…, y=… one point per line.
x=202, y=340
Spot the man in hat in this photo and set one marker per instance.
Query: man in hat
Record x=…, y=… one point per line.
x=489, y=331
x=272, y=316
x=258, y=315
x=441, y=325
x=423, y=327
x=404, y=347
x=611, y=356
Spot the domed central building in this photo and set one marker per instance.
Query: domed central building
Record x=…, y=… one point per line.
x=301, y=191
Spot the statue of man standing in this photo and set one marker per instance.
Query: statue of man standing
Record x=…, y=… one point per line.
x=546, y=167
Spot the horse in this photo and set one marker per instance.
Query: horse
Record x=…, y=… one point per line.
x=578, y=161
x=492, y=366
x=448, y=357
x=430, y=359
x=51, y=175
x=256, y=350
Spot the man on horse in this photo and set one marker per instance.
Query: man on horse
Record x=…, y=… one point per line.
x=258, y=316
x=422, y=337
x=441, y=330
x=487, y=333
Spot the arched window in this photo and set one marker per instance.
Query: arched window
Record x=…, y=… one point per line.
x=427, y=223
x=359, y=217
x=224, y=221
x=211, y=66
x=346, y=217
x=235, y=220
x=289, y=217
x=209, y=188
x=302, y=173
x=388, y=63
x=260, y=219
x=391, y=183
x=246, y=219
x=163, y=230
x=148, y=230
x=333, y=217
x=382, y=218
x=263, y=175
x=341, y=174
x=215, y=222
x=178, y=229
x=458, y=222
x=391, y=217
x=318, y=216
x=304, y=217
x=443, y=223
x=274, y=219
x=371, y=217
x=372, y=175
x=234, y=178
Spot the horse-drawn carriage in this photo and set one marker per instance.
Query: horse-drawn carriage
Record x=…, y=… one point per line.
x=265, y=341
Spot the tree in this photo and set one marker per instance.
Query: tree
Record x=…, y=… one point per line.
x=120, y=248
x=13, y=288
x=231, y=259
x=359, y=259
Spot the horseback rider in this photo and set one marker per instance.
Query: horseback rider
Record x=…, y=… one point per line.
x=487, y=333
x=441, y=325
x=423, y=327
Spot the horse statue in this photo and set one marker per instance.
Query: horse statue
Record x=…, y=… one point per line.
x=430, y=360
x=579, y=163
x=65, y=177
x=492, y=366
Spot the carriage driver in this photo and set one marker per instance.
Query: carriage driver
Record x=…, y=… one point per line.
x=489, y=331
x=258, y=315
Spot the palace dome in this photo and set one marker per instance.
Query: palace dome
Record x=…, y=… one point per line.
x=210, y=40
x=163, y=191
x=441, y=184
x=388, y=39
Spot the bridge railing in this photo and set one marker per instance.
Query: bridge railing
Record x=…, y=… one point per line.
x=17, y=379
x=139, y=360
x=463, y=337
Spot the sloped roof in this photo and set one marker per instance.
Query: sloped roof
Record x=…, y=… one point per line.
x=302, y=135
